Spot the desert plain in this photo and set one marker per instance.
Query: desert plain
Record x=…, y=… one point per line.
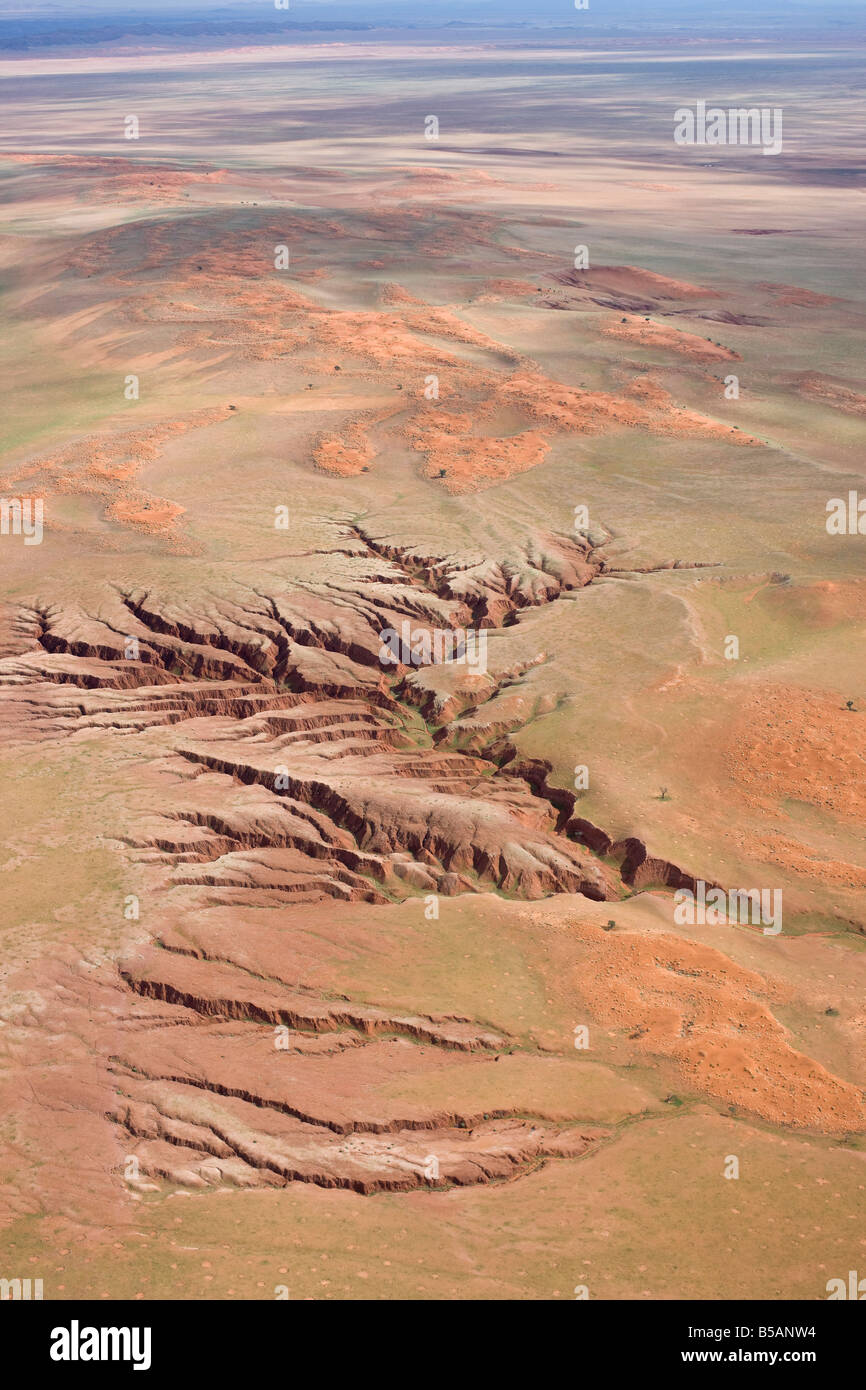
x=330, y=977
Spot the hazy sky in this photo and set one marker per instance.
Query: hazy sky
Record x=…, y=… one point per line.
x=27, y=24
x=428, y=12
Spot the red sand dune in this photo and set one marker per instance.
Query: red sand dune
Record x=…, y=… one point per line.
x=638, y=331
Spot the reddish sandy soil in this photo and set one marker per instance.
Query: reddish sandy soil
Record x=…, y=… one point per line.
x=658, y=335
x=690, y=1003
x=106, y=467
x=836, y=394
x=202, y=699
x=220, y=307
x=798, y=745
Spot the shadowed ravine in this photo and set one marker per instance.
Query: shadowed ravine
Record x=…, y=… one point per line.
x=305, y=774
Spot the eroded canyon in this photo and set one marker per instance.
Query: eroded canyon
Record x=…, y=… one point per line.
x=366, y=976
